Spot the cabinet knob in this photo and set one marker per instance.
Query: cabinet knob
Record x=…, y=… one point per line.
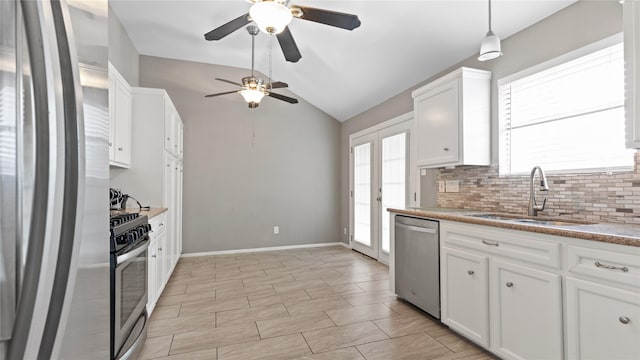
x=470, y=272
x=110, y=144
x=161, y=224
x=119, y=149
x=625, y=320
x=509, y=284
x=446, y=149
x=154, y=255
x=168, y=139
x=159, y=249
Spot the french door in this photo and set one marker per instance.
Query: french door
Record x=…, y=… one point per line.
x=379, y=164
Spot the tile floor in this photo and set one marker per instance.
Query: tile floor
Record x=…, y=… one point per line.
x=316, y=303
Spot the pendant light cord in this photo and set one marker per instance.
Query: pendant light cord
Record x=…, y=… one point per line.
x=490, y=16
x=270, y=56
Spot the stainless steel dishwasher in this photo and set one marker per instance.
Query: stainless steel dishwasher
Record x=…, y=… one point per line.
x=417, y=263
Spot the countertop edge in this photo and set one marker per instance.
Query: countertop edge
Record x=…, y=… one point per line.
x=463, y=216
x=151, y=213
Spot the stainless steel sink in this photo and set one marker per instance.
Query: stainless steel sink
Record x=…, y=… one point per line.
x=495, y=217
x=516, y=219
x=547, y=222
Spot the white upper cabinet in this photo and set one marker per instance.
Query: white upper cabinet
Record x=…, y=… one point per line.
x=452, y=120
x=632, y=71
x=119, y=119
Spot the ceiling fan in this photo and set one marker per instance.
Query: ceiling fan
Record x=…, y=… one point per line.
x=273, y=16
x=253, y=89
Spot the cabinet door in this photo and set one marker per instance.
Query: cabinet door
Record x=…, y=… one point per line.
x=180, y=140
x=602, y=322
x=526, y=307
x=122, y=124
x=437, y=116
x=169, y=126
x=112, y=118
x=465, y=294
x=179, y=209
x=631, y=20
x=162, y=264
x=152, y=265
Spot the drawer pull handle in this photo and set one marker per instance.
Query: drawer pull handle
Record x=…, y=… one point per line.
x=509, y=284
x=611, y=267
x=161, y=224
x=119, y=149
x=490, y=243
x=470, y=272
x=625, y=320
x=153, y=256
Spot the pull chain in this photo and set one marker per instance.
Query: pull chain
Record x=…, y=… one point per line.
x=270, y=56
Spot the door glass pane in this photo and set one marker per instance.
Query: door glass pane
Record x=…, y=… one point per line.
x=394, y=159
x=362, y=194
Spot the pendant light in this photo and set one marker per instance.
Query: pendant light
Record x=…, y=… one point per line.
x=490, y=46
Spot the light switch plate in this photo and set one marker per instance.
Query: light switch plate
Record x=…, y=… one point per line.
x=452, y=186
x=423, y=172
x=276, y=230
x=441, y=186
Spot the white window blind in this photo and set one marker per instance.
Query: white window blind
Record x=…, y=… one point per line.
x=567, y=118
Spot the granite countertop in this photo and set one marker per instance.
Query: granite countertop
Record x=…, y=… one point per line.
x=621, y=234
x=151, y=213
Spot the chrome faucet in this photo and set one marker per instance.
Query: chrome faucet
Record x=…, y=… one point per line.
x=533, y=207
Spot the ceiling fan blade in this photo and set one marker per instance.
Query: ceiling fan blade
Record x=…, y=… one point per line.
x=279, y=85
x=328, y=17
x=290, y=100
x=229, y=81
x=288, y=46
x=224, y=93
x=226, y=29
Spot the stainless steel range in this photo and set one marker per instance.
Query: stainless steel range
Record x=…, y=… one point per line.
x=129, y=243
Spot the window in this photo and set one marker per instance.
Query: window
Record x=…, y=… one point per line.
x=566, y=118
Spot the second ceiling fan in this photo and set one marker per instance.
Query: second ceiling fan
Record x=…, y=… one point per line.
x=273, y=16
x=253, y=89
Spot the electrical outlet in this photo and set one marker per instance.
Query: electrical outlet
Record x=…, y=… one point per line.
x=452, y=186
x=423, y=172
x=276, y=230
x=344, y=231
x=441, y=186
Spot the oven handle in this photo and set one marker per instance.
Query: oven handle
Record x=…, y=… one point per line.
x=137, y=345
x=133, y=253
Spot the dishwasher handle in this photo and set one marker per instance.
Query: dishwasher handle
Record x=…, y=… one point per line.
x=417, y=228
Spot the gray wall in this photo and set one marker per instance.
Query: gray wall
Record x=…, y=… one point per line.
x=122, y=54
x=578, y=25
x=248, y=170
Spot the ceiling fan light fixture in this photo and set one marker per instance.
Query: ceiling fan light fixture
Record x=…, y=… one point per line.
x=252, y=96
x=490, y=47
x=272, y=17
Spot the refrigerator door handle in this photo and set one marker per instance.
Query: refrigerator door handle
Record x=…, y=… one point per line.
x=40, y=205
x=71, y=225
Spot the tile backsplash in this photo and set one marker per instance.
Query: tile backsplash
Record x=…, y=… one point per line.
x=597, y=197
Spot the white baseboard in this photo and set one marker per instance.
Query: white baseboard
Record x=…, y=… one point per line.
x=275, y=248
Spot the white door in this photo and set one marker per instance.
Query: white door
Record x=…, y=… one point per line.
x=363, y=195
x=379, y=178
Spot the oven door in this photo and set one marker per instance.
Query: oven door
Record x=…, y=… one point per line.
x=130, y=295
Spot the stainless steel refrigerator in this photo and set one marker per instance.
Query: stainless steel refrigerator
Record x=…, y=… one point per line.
x=54, y=129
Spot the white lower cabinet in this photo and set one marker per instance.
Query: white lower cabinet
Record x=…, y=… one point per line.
x=603, y=322
x=526, y=308
x=523, y=295
x=159, y=267
x=466, y=276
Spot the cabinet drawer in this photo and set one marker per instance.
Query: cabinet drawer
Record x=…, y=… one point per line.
x=158, y=224
x=604, y=265
x=508, y=243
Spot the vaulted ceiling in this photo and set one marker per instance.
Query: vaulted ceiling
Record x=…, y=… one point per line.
x=399, y=44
